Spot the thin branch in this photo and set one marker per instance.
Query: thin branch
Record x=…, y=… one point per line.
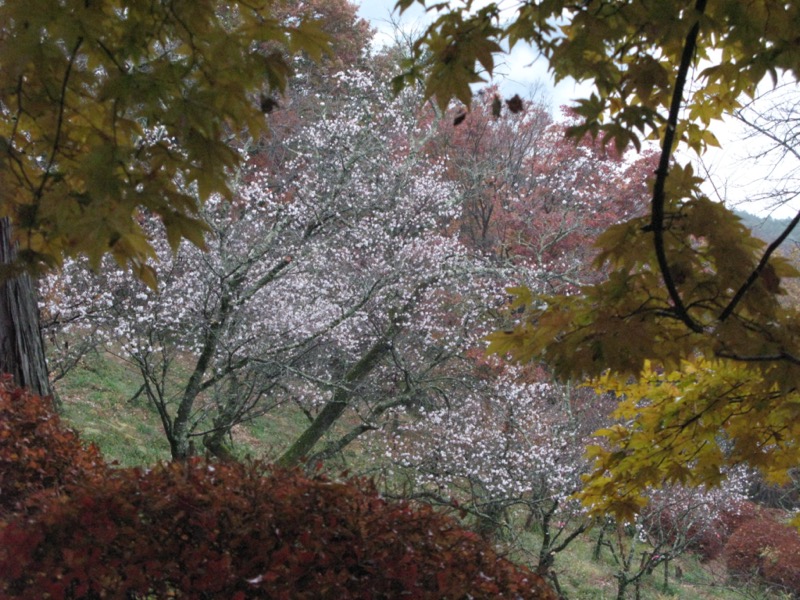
x=757, y=271
x=782, y=143
x=60, y=120
x=333, y=448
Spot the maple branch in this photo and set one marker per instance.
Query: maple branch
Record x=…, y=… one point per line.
x=659, y=196
x=779, y=240
x=759, y=268
x=760, y=358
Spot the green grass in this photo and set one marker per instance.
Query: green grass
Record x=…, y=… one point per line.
x=267, y=436
x=583, y=578
x=96, y=401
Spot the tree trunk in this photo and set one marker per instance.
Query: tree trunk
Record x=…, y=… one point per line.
x=21, y=346
x=622, y=585
x=600, y=540
x=215, y=444
x=331, y=412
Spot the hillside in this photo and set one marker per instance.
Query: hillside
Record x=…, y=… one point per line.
x=768, y=228
x=96, y=401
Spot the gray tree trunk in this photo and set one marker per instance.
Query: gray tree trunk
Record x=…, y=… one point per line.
x=331, y=412
x=21, y=346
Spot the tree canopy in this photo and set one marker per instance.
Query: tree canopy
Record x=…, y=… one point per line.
x=108, y=108
x=692, y=306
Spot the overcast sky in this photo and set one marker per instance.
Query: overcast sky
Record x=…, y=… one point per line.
x=518, y=73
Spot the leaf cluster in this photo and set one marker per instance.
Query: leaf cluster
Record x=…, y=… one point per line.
x=711, y=258
x=464, y=41
x=690, y=426
x=37, y=453
x=629, y=50
x=110, y=108
x=768, y=549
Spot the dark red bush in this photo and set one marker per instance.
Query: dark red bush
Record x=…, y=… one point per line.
x=767, y=549
x=703, y=530
x=738, y=514
x=710, y=542
x=36, y=451
x=229, y=531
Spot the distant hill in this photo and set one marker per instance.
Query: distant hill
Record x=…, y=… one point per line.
x=767, y=228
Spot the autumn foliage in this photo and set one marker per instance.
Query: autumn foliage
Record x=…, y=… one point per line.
x=200, y=530
x=767, y=549
x=754, y=543
x=37, y=452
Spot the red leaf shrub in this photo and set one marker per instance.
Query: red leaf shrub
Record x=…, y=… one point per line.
x=70, y=527
x=700, y=524
x=739, y=513
x=231, y=531
x=710, y=542
x=36, y=452
x=768, y=549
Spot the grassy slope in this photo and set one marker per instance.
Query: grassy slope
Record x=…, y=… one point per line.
x=96, y=401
